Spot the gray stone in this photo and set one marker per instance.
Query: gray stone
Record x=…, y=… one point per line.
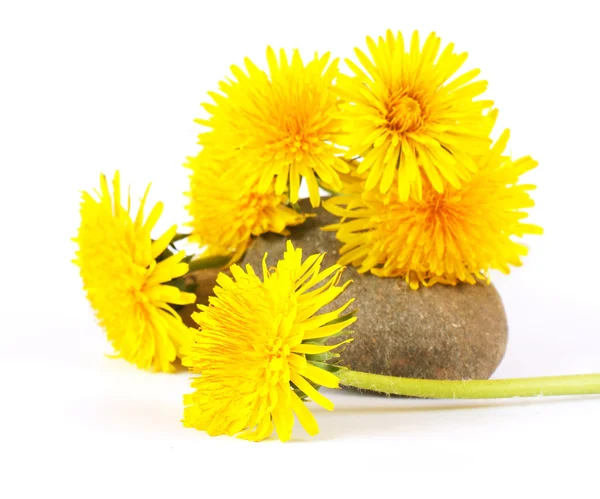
x=441, y=332
x=203, y=281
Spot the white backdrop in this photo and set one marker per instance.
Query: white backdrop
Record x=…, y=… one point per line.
x=97, y=86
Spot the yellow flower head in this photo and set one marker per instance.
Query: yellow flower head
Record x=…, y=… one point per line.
x=283, y=122
x=351, y=182
x=406, y=117
x=260, y=349
x=448, y=237
x=124, y=273
x=227, y=208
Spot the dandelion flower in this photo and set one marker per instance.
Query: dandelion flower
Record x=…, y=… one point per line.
x=260, y=349
x=126, y=276
x=350, y=182
x=260, y=353
x=407, y=117
x=228, y=209
x=285, y=121
x=450, y=237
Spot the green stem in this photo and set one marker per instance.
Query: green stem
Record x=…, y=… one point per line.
x=209, y=262
x=178, y=237
x=580, y=384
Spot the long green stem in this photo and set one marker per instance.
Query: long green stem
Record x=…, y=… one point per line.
x=209, y=262
x=581, y=384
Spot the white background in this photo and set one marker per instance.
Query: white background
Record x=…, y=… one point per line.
x=97, y=86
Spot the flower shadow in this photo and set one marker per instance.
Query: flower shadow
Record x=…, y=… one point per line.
x=374, y=416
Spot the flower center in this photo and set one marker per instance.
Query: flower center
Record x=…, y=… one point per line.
x=297, y=139
x=403, y=113
x=277, y=358
x=445, y=209
x=256, y=209
x=297, y=136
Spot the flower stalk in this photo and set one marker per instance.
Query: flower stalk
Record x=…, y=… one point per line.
x=579, y=384
x=209, y=262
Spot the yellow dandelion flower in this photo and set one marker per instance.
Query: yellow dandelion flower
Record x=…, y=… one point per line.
x=350, y=182
x=450, y=237
x=284, y=121
x=228, y=209
x=260, y=351
x=126, y=276
x=407, y=117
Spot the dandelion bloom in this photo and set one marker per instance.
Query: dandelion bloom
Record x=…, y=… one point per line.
x=260, y=349
x=407, y=117
x=228, y=209
x=284, y=122
x=450, y=237
x=349, y=182
x=126, y=276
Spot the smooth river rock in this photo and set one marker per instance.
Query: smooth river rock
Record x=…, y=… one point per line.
x=204, y=281
x=441, y=332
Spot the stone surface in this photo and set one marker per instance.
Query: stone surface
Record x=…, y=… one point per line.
x=442, y=332
x=204, y=281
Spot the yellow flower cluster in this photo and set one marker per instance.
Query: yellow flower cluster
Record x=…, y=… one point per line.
x=454, y=236
x=403, y=117
x=422, y=193
x=266, y=132
x=457, y=206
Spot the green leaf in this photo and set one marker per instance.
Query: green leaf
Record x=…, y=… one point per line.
x=322, y=357
x=164, y=255
x=209, y=262
x=183, y=284
x=178, y=237
x=343, y=332
x=327, y=366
